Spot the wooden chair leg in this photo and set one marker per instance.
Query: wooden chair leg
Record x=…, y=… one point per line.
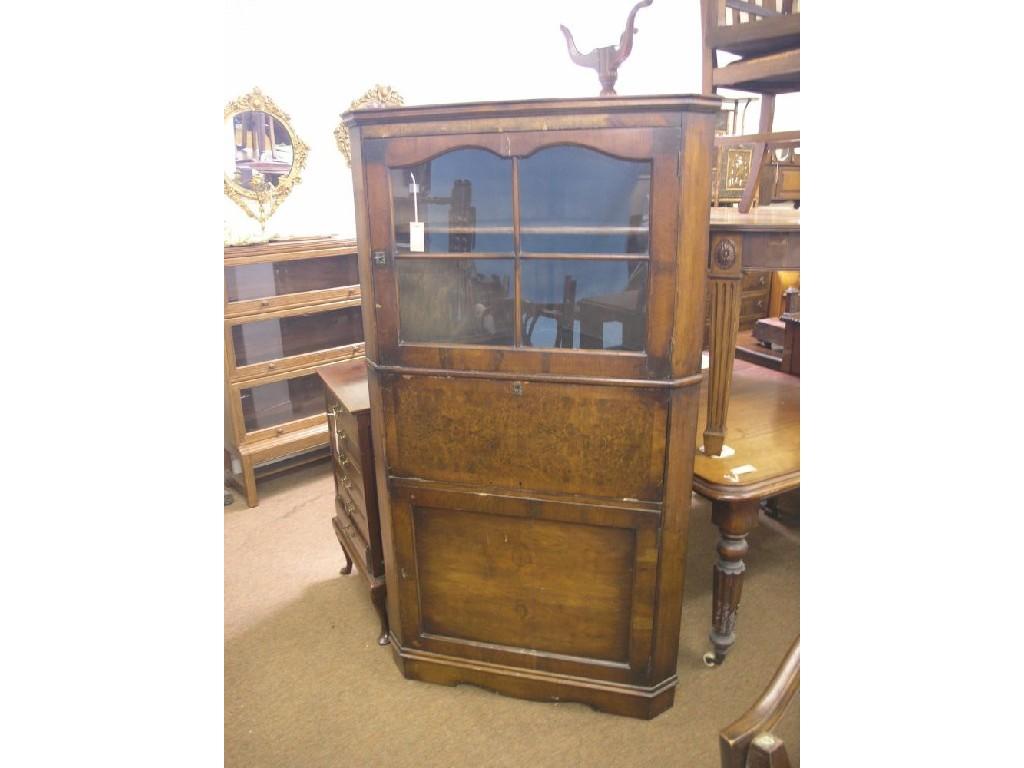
x=756, y=163
x=757, y=159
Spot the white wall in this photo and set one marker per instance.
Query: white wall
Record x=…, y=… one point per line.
x=314, y=57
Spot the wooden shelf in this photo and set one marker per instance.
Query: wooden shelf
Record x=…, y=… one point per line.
x=536, y=230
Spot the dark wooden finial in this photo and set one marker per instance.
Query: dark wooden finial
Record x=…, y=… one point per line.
x=608, y=59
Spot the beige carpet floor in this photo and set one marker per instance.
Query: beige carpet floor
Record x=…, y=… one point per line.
x=306, y=685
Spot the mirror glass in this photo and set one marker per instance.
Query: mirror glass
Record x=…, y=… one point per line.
x=260, y=143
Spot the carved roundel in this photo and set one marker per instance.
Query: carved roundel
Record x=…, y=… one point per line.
x=725, y=253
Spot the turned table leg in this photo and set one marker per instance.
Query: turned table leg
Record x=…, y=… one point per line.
x=379, y=596
x=724, y=274
x=735, y=519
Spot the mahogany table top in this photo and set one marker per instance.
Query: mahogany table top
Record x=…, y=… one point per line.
x=764, y=437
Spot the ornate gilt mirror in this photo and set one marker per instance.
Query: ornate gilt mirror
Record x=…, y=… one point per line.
x=265, y=157
x=378, y=97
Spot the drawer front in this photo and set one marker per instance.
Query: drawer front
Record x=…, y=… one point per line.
x=754, y=306
x=756, y=280
x=560, y=438
x=351, y=479
x=348, y=451
x=352, y=507
x=772, y=250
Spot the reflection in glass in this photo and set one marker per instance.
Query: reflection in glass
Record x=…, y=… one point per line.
x=262, y=145
x=576, y=200
x=263, y=340
x=262, y=281
x=584, y=303
x=268, y=405
x=461, y=301
x=464, y=198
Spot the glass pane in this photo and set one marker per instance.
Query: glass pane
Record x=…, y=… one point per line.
x=461, y=301
x=575, y=200
x=262, y=281
x=464, y=198
x=584, y=303
x=264, y=340
x=268, y=405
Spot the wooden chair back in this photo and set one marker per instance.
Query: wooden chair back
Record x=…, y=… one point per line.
x=748, y=742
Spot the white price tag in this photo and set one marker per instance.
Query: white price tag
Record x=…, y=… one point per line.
x=415, y=226
x=416, y=236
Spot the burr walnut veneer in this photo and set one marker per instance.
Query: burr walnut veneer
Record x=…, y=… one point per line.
x=533, y=280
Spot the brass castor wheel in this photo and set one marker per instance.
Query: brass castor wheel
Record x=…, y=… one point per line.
x=711, y=659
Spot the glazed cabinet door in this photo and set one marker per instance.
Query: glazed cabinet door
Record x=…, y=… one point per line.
x=527, y=251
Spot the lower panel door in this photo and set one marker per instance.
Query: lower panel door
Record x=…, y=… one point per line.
x=561, y=586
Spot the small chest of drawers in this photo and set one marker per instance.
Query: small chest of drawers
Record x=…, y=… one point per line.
x=356, y=519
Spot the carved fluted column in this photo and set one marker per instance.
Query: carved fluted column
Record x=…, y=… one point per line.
x=735, y=519
x=724, y=273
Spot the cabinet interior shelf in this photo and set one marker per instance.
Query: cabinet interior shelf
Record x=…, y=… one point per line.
x=536, y=230
x=510, y=255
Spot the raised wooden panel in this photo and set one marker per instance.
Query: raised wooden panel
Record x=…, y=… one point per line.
x=593, y=440
x=536, y=584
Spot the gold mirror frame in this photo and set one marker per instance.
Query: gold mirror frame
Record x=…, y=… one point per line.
x=266, y=196
x=378, y=97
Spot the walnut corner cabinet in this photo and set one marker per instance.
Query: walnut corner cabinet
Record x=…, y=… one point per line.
x=533, y=279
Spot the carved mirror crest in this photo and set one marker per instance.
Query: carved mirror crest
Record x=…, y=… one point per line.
x=378, y=97
x=266, y=156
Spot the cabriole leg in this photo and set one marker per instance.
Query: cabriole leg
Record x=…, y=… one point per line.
x=379, y=594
